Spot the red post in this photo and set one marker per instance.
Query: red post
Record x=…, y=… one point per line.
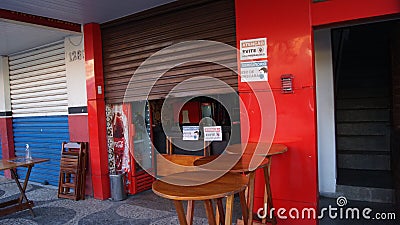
x=96, y=111
x=7, y=140
x=6, y=128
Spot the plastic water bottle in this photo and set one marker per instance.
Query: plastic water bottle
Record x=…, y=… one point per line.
x=28, y=155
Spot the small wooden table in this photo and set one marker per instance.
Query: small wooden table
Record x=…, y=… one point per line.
x=225, y=186
x=244, y=166
x=22, y=202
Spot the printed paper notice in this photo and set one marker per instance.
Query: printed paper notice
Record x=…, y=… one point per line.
x=213, y=133
x=253, y=49
x=190, y=133
x=254, y=71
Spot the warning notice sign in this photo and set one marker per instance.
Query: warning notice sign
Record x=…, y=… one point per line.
x=213, y=133
x=253, y=49
x=254, y=71
x=190, y=133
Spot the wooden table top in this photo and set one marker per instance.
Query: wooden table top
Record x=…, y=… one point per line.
x=226, y=185
x=249, y=148
x=222, y=162
x=184, y=160
x=12, y=163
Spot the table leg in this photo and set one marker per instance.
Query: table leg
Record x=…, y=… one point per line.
x=243, y=204
x=229, y=209
x=189, y=212
x=209, y=212
x=268, y=194
x=179, y=210
x=23, y=188
x=250, y=197
x=28, y=174
x=220, y=215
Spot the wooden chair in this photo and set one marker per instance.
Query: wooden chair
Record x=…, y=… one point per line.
x=72, y=171
x=206, y=146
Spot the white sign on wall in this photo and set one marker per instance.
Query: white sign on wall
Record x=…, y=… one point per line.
x=253, y=49
x=190, y=133
x=213, y=133
x=254, y=71
x=75, y=69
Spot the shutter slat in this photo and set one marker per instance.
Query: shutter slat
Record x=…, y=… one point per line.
x=38, y=83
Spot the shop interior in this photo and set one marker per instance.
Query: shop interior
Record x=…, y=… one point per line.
x=171, y=117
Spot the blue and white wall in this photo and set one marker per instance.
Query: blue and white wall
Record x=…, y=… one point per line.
x=39, y=105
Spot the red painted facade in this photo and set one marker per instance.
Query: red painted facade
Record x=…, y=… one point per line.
x=287, y=27
x=96, y=112
x=78, y=128
x=335, y=11
x=7, y=140
x=79, y=132
x=39, y=20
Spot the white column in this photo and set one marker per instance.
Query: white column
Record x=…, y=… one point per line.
x=75, y=69
x=5, y=100
x=325, y=112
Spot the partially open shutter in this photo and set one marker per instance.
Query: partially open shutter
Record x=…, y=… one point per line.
x=130, y=41
x=39, y=107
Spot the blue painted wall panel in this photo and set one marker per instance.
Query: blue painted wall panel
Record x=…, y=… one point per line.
x=44, y=134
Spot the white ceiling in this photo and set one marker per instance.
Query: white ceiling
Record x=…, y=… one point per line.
x=15, y=37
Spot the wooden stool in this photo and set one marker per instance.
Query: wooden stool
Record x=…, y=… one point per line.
x=225, y=186
x=275, y=149
x=243, y=166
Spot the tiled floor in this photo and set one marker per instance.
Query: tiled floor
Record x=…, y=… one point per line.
x=142, y=209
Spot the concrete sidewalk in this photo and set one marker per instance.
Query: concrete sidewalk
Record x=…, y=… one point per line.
x=141, y=209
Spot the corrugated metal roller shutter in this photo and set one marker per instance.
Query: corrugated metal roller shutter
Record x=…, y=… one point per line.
x=130, y=41
x=39, y=104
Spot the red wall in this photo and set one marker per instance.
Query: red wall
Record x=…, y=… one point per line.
x=334, y=11
x=194, y=112
x=98, y=155
x=7, y=140
x=79, y=132
x=287, y=26
x=78, y=128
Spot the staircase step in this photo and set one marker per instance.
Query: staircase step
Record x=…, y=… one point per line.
x=358, y=152
x=366, y=128
x=356, y=92
x=365, y=178
x=369, y=194
x=363, y=161
x=373, y=81
x=364, y=143
x=363, y=103
x=362, y=115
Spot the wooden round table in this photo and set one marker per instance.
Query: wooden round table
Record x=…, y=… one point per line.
x=265, y=151
x=225, y=186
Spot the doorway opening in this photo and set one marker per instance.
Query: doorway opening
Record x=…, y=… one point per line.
x=366, y=81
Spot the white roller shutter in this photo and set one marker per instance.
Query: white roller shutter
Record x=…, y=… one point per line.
x=39, y=105
x=38, y=81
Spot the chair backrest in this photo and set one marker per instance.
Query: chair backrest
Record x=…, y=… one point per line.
x=199, y=145
x=186, y=161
